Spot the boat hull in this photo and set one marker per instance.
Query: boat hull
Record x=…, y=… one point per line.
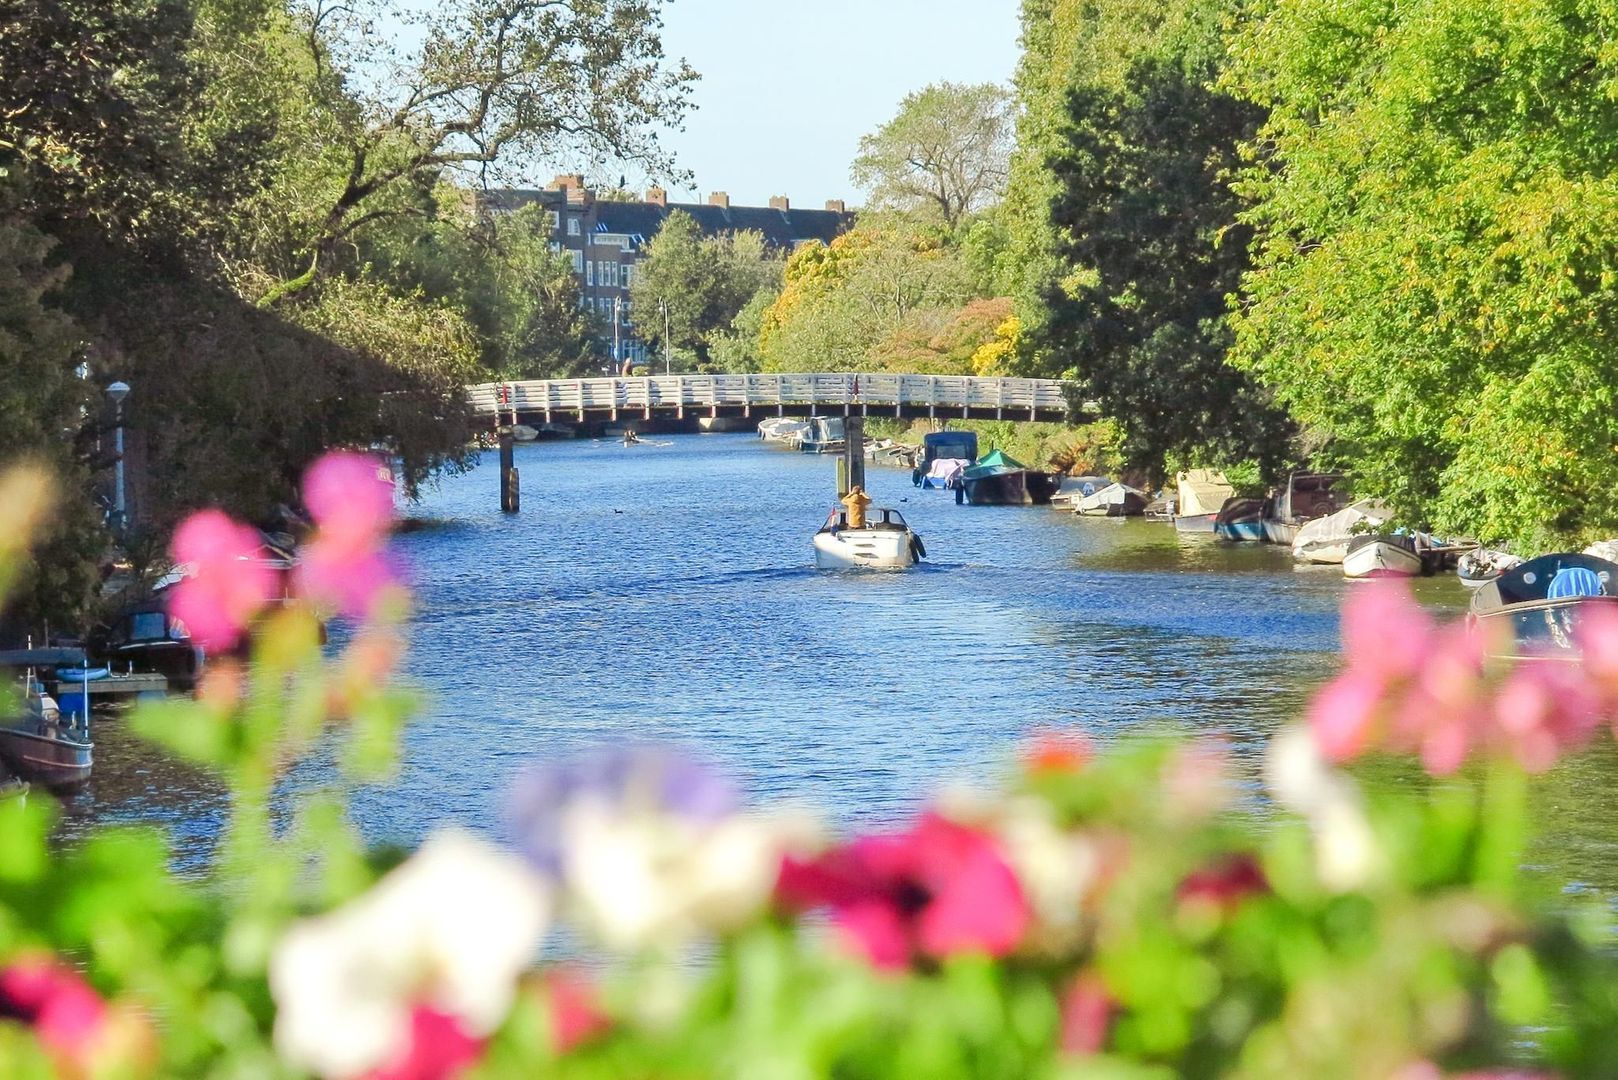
x=1382, y=559
x=1019, y=487
x=881, y=549
x=1280, y=532
x=1194, y=523
x=57, y=763
x=1539, y=628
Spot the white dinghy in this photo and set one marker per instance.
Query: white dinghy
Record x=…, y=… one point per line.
x=883, y=542
x=1380, y=555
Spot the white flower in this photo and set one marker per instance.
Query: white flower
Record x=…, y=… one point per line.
x=1346, y=855
x=642, y=880
x=451, y=929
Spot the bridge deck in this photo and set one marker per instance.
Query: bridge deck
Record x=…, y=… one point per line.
x=732, y=395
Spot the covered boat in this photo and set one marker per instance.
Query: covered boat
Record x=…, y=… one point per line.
x=1070, y=489
x=1114, y=500
x=1304, y=497
x=1200, y=493
x=824, y=436
x=1240, y=519
x=1378, y=555
x=956, y=450
x=1001, y=480
x=884, y=542
x=1327, y=539
x=1539, y=603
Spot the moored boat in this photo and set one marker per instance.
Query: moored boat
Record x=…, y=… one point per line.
x=1327, y=539
x=1199, y=493
x=1379, y=555
x=1001, y=480
x=42, y=745
x=826, y=435
x=782, y=428
x=1304, y=497
x=883, y=542
x=1240, y=520
x=1114, y=500
x=1482, y=565
x=1539, y=603
x=945, y=455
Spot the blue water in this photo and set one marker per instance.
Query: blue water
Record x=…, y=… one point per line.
x=666, y=592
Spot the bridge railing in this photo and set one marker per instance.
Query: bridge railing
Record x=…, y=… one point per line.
x=698, y=391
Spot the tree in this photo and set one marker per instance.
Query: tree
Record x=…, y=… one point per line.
x=705, y=282
x=1147, y=227
x=943, y=155
x=1435, y=289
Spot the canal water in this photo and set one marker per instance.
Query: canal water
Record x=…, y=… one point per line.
x=666, y=592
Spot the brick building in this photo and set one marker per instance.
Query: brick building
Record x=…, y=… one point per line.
x=605, y=239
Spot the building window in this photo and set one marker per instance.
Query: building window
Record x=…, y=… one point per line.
x=553, y=219
x=629, y=275
x=589, y=273
x=578, y=261
x=608, y=275
x=573, y=226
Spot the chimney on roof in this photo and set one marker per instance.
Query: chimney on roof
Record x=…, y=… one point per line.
x=568, y=182
x=836, y=206
x=779, y=202
x=657, y=196
x=719, y=199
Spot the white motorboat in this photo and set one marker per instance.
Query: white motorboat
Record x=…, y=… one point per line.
x=883, y=542
x=1326, y=539
x=1379, y=555
x=782, y=428
x=1114, y=500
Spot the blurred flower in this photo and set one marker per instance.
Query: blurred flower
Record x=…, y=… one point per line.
x=1223, y=884
x=226, y=583
x=445, y=933
x=939, y=889
x=25, y=492
x=1346, y=853
x=575, y=1012
x=1086, y=1015
x=438, y=1048
x=1196, y=781
x=1058, y=751
x=346, y=566
x=650, y=846
x=83, y=1035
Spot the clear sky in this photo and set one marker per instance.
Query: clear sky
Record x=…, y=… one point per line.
x=789, y=86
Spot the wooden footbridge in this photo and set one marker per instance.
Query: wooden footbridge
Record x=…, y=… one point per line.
x=681, y=396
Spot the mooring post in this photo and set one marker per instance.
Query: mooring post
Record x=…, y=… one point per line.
x=854, y=453
x=509, y=499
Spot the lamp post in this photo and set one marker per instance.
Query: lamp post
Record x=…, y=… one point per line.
x=668, y=368
x=117, y=392
x=617, y=348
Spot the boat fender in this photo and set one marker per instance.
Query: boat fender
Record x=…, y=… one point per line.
x=917, y=548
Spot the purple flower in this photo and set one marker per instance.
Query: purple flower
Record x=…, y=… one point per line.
x=626, y=781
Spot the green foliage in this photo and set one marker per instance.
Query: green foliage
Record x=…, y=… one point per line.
x=1434, y=282
x=943, y=157
x=1148, y=232
x=705, y=283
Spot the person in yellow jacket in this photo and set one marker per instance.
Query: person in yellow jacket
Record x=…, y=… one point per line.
x=856, y=500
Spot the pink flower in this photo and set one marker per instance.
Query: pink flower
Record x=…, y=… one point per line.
x=67, y=1016
x=349, y=494
x=1224, y=884
x=439, y=1049
x=350, y=497
x=1344, y=713
x=937, y=890
x=1385, y=632
x=576, y=1015
x=1086, y=1016
x=227, y=583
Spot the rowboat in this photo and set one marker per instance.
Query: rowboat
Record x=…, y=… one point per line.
x=1378, y=555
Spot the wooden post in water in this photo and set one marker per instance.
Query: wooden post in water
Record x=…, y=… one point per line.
x=510, y=501
x=854, y=453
